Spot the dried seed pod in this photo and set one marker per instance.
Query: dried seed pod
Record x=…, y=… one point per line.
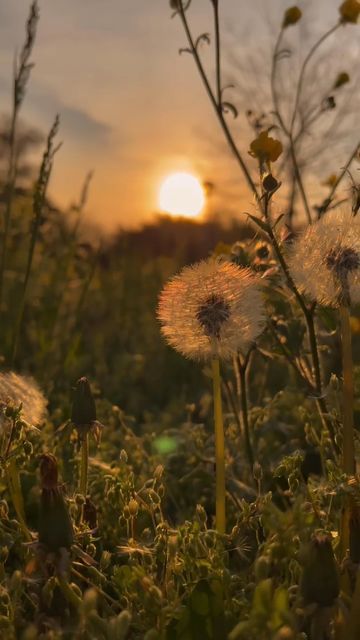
x=55, y=526
x=83, y=411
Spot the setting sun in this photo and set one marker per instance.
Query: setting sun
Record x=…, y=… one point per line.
x=181, y=194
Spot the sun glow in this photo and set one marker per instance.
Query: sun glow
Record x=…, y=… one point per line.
x=181, y=194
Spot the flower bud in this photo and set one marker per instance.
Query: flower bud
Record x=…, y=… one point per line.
x=47, y=591
x=257, y=471
x=105, y=560
x=83, y=408
x=158, y=472
x=201, y=514
x=270, y=183
x=291, y=16
x=343, y=78
x=123, y=456
x=133, y=508
x=350, y=11
x=126, y=513
x=48, y=471
x=4, y=508
x=28, y=448
x=119, y=626
x=262, y=568
x=320, y=580
x=16, y=580
x=55, y=526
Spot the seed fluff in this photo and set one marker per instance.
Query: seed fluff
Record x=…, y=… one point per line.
x=212, y=308
x=325, y=259
x=16, y=389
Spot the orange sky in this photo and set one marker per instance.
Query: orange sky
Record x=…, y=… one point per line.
x=131, y=108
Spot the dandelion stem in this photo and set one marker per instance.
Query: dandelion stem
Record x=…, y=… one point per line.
x=84, y=464
x=348, y=393
x=219, y=448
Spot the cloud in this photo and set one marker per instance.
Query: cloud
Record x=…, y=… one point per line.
x=81, y=124
x=76, y=123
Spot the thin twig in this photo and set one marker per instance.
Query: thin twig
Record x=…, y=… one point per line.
x=218, y=111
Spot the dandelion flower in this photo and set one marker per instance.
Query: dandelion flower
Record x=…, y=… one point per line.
x=325, y=260
x=211, y=309
x=23, y=390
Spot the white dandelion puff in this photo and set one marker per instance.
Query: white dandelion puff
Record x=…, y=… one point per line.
x=212, y=308
x=325, y=259
x=16, y=389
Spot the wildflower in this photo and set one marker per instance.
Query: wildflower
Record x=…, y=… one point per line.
x=22, y=390
x=325, y=260
x=265, y=148
x=212, y=308
x=292, y=15
x=350, y=11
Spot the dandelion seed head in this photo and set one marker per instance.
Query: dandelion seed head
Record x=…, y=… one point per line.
x=211, y=308
x=23, y=390
x=325, y=259
x=212, y=313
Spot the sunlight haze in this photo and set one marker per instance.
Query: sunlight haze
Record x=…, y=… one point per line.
x=131, y=108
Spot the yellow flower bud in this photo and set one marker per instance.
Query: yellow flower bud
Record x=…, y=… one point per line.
x=291, y=16
x=342, y=78
x=265, y=148
x=350, y=11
